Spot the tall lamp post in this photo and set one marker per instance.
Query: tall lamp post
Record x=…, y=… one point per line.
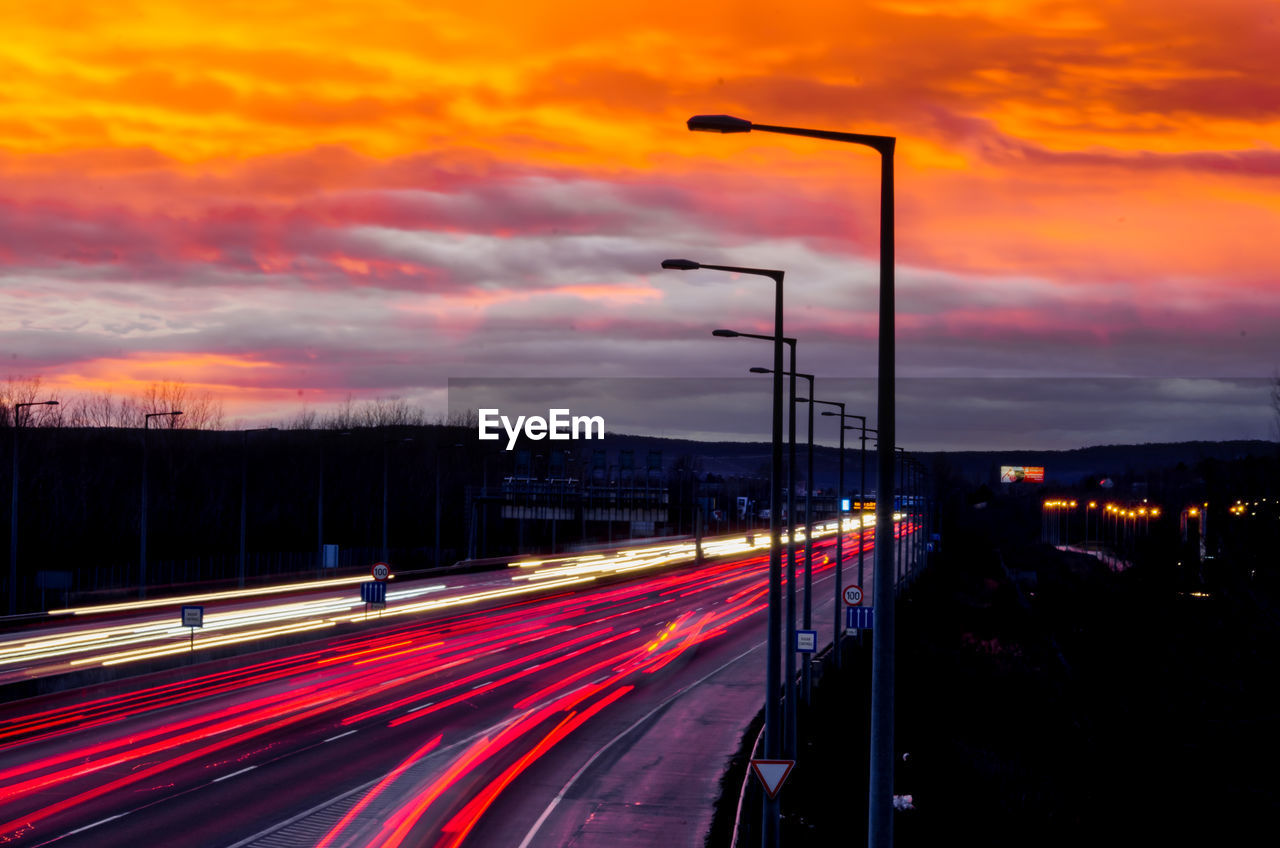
x=142, y=528
x=917, y=513
x=880, y=802
x=862, y=467
x=320, y=497
x=386, y=552
x=773, y=739
x=895, y=490
x=789, y=664
x=244, y=494
x=862, y=489
x=909, y=511
x=807, y=664
x=435, y=563
x=13, y=504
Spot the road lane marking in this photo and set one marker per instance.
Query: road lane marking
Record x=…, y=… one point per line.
x=488, y=731
x=340, y=735
x=415, y=709
x=95, y=824
x=564, y=790
x=362, y=787
x=233, y=774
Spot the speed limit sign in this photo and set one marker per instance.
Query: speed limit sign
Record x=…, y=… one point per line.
x=381, y=571
x=853, y=595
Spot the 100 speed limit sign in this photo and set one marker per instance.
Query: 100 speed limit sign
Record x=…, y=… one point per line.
x=381, y=572
x=853, y=595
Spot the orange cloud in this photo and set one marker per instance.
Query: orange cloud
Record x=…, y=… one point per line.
x=302, y=145
x=212, y=372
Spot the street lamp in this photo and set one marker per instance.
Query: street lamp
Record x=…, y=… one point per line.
x=807, y=665
x=320, y=497
x=901, y=488
x=13, y=504
x=435, y=563
x=142, y=553
x=835, y=633
x=244, y=493
x=789, y=664
x=773, y=650
x=880, y=806
x=862, y=486
x=920, y=511
x=386, y=553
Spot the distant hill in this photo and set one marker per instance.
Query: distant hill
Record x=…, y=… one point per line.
x=1071, y=466
x=1062, y=467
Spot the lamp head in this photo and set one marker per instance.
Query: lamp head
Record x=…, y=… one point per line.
x=759, y=370
x=51, y=403
x=726, y=334
x=680, y=265
x=719, y=123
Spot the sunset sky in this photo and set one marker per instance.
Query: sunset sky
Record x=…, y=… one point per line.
x=287, y=203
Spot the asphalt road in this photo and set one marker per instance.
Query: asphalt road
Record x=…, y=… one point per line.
x=589, y=714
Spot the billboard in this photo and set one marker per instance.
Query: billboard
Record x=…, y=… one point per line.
x=1022, y=474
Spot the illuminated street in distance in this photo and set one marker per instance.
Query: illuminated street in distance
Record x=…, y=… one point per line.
x=153, y=629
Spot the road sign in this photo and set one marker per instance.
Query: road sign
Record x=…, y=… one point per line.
x=806, y=641
x=373, y=593
x=772, y=773
x=193, y=617
x=381, y=571
x=859, y=618
x=852, y=595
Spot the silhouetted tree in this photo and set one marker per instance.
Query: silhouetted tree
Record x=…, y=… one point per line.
x=21, y=389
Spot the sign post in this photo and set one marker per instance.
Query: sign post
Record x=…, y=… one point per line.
x=375, y=593
x=193, y=617
x=859, y=618
x=772, y=773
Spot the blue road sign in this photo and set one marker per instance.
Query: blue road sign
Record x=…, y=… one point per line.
x=373, y=592
x=806, y=641
x=193, y=616
x=859, y=618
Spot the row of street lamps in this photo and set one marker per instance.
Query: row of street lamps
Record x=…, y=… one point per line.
x=880, y=801
x=910, y=473
x=1122, y=520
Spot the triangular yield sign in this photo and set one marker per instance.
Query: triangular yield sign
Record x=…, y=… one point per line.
x=772, y=773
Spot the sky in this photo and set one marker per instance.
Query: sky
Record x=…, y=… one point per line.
x=288, y=204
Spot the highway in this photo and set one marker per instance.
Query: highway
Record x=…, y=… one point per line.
x=596, y=708
x=133, y=632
